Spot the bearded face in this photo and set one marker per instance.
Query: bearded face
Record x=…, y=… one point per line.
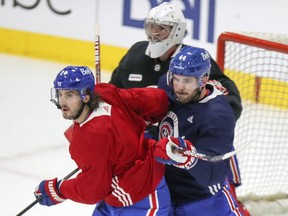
x=186, y=88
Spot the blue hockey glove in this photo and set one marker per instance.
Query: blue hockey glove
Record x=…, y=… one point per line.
x=49, y=191
x=166, y=152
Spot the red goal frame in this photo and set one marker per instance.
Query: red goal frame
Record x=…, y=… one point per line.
x=243, y=39
x=247, y=40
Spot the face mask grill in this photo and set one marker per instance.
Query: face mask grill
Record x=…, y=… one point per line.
x=158, y=32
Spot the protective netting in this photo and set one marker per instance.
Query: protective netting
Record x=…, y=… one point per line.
x=261, y=75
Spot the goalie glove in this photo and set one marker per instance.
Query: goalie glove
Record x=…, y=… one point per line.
x=166, y=152
x=49, y=192
x=218, y=86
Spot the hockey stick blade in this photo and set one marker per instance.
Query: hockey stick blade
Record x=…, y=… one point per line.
x=209, y=158
x=40, y=197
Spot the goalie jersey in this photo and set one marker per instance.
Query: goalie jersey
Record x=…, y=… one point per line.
x=209, y=125
x=139, y=70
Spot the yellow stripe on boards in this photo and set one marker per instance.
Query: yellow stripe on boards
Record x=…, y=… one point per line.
x=61, y=49
x=265, y=90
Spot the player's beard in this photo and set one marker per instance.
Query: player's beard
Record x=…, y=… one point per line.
x=67, y=113
x=185, y=97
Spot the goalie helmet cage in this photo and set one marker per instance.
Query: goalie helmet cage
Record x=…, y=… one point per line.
x=258, y=64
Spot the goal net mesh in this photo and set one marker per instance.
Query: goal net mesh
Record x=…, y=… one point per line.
x=258, y=64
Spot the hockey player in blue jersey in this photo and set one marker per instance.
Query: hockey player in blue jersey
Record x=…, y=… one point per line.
x=200, y=113
x=146, y=61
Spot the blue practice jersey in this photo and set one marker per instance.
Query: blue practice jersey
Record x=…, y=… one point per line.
x=209, y=124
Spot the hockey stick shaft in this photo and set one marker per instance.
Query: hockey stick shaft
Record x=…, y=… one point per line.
x=206, y=157
x=97, y=54
x=40, y=197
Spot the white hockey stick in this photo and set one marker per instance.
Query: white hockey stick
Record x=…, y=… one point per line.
x=205, y=157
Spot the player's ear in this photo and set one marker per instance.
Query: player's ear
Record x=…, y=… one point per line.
x=205, y=79
x=86, y=99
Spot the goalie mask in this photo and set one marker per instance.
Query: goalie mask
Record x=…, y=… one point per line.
x=165, y=26
x=78, y=78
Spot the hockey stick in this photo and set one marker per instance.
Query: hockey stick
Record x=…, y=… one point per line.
x=97, y=54
x=97, y=43
x=205, y=157
x=40, y=197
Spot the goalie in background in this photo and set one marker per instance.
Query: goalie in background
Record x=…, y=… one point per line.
x=200, y=113
x=146, y=61
x=118, y=168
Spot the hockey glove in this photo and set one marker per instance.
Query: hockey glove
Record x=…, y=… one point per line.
x=218, y=86
x=166, y=152
x=49, y=191
x=186, y=147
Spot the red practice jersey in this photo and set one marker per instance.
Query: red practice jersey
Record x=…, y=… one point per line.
x=117, y=164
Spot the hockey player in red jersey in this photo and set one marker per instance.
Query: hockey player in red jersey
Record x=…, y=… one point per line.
x=118, y=169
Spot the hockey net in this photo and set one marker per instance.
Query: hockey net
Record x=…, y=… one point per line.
x=258, y=64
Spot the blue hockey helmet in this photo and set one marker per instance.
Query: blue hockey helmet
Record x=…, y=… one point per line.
x=191, y=61
x=75, y=77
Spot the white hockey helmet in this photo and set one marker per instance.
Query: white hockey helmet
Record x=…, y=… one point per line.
x=171, y=20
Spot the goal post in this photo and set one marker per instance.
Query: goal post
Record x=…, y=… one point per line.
x=264, y=51
x=278, y=43
x=258, y=64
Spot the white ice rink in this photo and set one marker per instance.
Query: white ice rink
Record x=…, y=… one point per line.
x=32, y=144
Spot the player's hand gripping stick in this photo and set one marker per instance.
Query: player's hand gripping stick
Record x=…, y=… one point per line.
x=40, y=197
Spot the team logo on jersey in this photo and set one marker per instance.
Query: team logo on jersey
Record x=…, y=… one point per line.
x=190, y=119
x=166, y=130
x=104, y=109
x=169, y=126
x=135, y=77
x=107, y=108
x=157, y=67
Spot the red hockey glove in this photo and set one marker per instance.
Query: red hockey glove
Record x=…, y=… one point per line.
x=49, y=191
x=218, y=86
x=186, y=146
x=166, y=152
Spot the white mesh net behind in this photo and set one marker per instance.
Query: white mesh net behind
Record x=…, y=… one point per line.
x=261, y=75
